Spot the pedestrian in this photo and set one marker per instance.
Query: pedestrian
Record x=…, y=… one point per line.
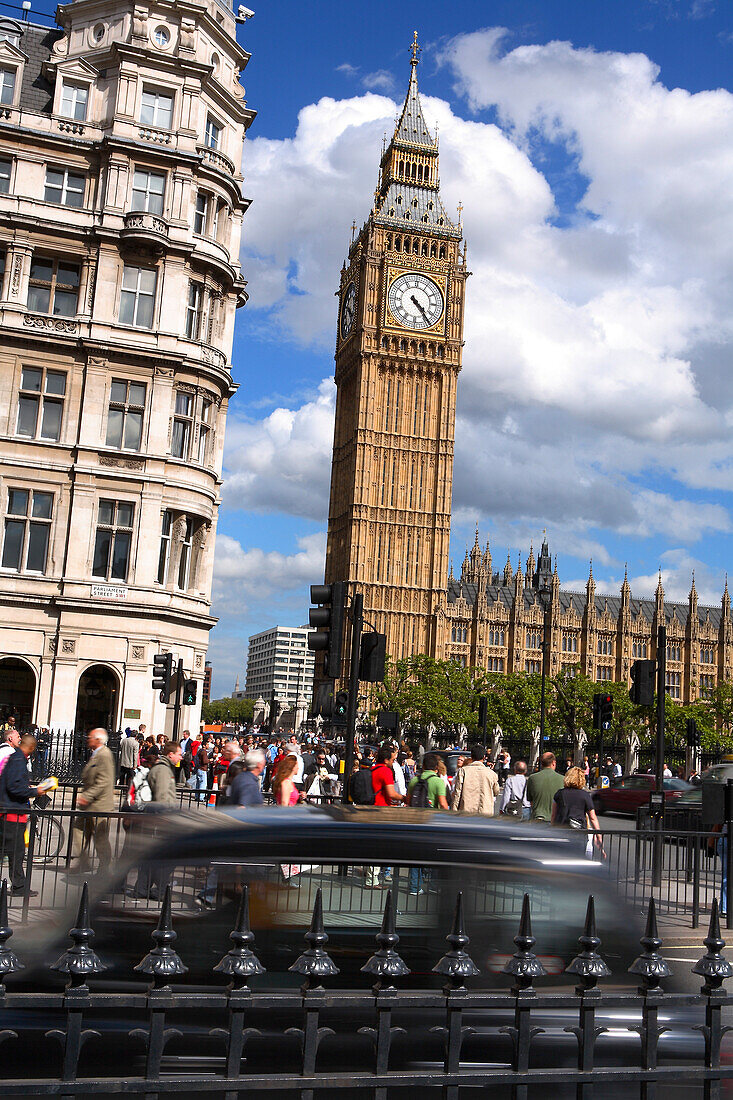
x=666, y=773
x=476, y=787
x=426, y=791
x=15, y=794
x=573, y=806
x=162, y=775
x=542, y=786
x=10, y=744
x=96, y=796
x=129, y=756
x=383, y=784
x=243, y=788
x=283, y=784
x=514, y=801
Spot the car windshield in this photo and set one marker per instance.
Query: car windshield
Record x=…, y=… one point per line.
x=677, y=785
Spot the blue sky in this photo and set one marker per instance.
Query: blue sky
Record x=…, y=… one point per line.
x=592, y=147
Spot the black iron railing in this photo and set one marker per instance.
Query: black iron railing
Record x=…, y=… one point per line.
x=159, y=1040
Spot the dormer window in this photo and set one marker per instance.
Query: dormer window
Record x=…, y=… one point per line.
x=74, y=100
x=7, y=86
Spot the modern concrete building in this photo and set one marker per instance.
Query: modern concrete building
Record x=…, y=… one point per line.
x=279, y=661
x=121, y=206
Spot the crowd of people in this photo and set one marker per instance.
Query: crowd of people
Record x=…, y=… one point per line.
x=246, y=768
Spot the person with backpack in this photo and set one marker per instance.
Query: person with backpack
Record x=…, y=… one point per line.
x=426, y=792
x=361, y=791
x=514, y=801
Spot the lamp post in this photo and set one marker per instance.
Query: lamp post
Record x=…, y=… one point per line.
x=542, y=582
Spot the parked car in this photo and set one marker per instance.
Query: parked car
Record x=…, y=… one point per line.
x=632, y=792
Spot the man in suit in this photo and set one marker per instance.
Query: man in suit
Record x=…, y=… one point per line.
x=95, y=796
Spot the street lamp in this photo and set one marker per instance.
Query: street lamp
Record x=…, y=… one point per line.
x=542, y=582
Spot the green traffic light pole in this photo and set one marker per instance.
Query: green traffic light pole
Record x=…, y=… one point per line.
x=357, y=624
x=177, y=702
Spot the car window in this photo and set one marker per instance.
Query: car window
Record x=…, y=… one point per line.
x=676, y=785
x=636, y=783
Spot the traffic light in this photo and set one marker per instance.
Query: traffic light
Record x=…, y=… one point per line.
x=340, y=704
x=329, y=619
x=693, y=737
x=162, y=672
x=324, y=700
x=602, y=710
x=483, y=711
x=189, y=693
x=642, y=683
x=373, y=657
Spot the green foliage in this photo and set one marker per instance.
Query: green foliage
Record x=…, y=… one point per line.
x=427, y=692
x=232, y=710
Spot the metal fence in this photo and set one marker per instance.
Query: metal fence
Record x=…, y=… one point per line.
x=233, y=1039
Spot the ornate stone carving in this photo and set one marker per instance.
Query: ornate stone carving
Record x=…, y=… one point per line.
x=68, y=645
x=199, y=660
x=51, y=646
x=163, y=371
x=107, y=460
x=213, y=355
x=51, y=324
x=17, y=273
x=138, y=653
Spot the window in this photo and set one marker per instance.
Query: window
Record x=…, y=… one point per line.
x=148, y=189
x=74, y=98
x=212, y=136
x=125, y=416
x=165, y=547
x=604, y=672
x=532, y=666
x=570, y=643
x=495, y=664
x=534, y=639
x=184, y=562
x=41, y=391
x=156, y=109
x=161, y=37
x=204, y=430
x=605, y=646
x=114, y=540
x=27, y=530
x=64, y=187
x=182, y=425
x=673, y=651
x=6, y=168
x=194, y=310
x=496, y=637
x=138, y=296
x=707, y=655
x=707, y=683
x=7, y=86
x=673, y=684
x=201, y=216
x=638, y=649
x=53, y=286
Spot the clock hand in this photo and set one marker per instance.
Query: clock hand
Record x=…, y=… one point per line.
x=415, y=301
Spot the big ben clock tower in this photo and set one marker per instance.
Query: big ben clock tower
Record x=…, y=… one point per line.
x=398, y=354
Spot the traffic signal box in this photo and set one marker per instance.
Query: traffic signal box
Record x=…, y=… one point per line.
x=602, y=710
x=162, y=674
x=373, y=657
x=189, y=693
x=642, y=683
x=328, y=618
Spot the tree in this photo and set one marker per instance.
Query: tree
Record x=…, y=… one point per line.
x=425, y=692
x=228, y=710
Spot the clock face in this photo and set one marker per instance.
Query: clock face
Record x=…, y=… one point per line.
x=415, y=301
x=348, y=310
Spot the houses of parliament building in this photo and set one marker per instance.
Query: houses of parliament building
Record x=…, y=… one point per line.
x=399, y=343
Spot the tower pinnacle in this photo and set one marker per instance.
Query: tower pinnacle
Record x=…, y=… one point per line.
x=415, y=50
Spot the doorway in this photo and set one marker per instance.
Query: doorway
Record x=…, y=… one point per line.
x=97, y=699
x=17, y=691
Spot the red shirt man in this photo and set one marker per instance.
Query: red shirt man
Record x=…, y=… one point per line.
x=385, y=792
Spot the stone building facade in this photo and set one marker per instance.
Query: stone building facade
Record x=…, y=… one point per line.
x=398, y=355
x=494, y=620
x=121, y=206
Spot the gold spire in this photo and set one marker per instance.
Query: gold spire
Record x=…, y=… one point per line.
x=415, y=50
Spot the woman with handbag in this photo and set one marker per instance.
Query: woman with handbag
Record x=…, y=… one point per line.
x=573, y=806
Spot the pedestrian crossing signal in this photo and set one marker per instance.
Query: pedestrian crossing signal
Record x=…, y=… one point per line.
x=189, y=693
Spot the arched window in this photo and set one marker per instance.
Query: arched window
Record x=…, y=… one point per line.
x=398, y=244
x=421, y=348
x=401, y=168
x=416, y=246
x=442, y=252
x=403, y=345
x=425, y=243
x=433, y=249
x=413, y=173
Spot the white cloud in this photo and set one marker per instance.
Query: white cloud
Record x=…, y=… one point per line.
x=259, y=573
x=282, y=463
x=380, y=81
